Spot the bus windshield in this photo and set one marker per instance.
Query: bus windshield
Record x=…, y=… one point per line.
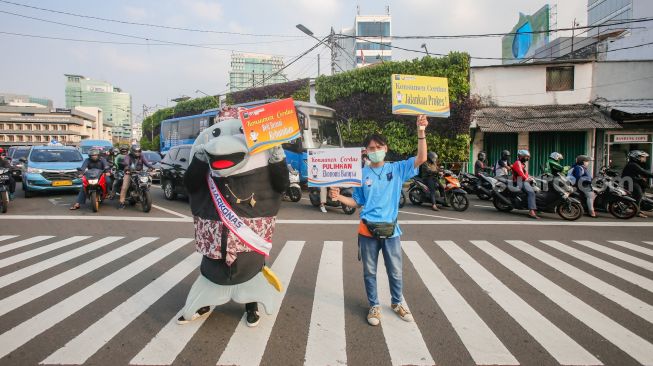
x=325, y=132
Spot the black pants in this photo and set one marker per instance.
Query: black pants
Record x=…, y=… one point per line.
x=434, y=184
x=12, y=185
x=638, y=193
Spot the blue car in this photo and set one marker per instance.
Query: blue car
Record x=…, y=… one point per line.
x=51, y=168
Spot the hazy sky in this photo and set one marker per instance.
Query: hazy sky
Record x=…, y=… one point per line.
x=155, y=73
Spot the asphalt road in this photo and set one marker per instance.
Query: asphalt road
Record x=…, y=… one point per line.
x=484, y=287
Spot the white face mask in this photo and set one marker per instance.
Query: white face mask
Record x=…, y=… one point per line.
x=377, y=156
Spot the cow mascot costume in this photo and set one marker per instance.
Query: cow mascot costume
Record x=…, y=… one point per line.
x=234, y=197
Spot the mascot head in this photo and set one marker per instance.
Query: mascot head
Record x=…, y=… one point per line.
x=224, y=149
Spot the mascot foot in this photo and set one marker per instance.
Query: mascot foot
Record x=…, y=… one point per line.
x=252, y=317
x=200, y=313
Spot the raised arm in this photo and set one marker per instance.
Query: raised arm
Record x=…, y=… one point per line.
x=422, y=149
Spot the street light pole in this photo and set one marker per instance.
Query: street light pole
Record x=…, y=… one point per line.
x=216, y=97
x=426, y=49
x=331, y=44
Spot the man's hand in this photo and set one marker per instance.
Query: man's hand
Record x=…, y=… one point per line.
x=422, y=122
x=334, y=193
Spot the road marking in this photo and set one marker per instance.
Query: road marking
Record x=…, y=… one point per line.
x=635, y=305
x=82, y=347
x=558, y=344
x=648, y=242
x=51, y=262
x=25, y=242
x=172, y=338
x=5, y=237
x=617, y=254
x=24, y=332
x=427, y=215
x=632, y=247
x=40, y=250
x=606, y=266
x=21, y=298
x=328, y=314
x=403, y=339
x=629, y=342
x=172, y=212
x=479, y=340
x=247, y=345
x=485, y=206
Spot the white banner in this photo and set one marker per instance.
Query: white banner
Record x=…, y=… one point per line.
x=334, y=167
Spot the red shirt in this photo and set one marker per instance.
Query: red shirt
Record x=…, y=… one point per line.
x=519, y=170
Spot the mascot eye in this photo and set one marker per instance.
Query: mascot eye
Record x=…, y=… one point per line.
x=216, y=132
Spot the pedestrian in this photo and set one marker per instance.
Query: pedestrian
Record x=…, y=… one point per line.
x=378, y=231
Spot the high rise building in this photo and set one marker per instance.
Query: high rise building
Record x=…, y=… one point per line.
x=116, y=105
x=254, y=70
x=368, y=42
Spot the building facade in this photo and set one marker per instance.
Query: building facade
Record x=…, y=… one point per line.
x=368, y=42
x=22, y=99
x=254, y=70
x=115, y=104
x=28, y=126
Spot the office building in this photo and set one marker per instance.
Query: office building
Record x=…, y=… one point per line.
x=368, y=42
x=254, y=70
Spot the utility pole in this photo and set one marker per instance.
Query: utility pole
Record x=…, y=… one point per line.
x=318, y=64
x=332, y=43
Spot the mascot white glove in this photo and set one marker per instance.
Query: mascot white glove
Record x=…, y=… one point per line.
x=198, y=152
x=276, y=155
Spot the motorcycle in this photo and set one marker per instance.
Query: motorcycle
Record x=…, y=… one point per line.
x=294, y=191
x=557, y=198
x=4, y=189
x=454, y=195
x=94, y=184
x=139, y=189
x=314, y=197
x=475, y=185
x=610, y=197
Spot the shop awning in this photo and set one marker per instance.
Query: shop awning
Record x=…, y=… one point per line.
x=542, y=118
x=628, y=110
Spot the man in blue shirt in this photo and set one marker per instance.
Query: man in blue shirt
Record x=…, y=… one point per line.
x=379, y=196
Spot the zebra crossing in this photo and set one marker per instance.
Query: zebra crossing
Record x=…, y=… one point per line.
x=598, y=304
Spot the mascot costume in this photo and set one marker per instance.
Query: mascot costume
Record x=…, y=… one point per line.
x=234, y=197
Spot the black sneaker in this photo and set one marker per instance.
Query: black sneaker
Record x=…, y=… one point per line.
x=252, y=318
x=121, y=206
x=200, y=313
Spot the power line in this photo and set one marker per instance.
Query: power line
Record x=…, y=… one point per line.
x=148, y=24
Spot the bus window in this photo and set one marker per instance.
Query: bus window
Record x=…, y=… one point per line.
x=186, y=129
x=211, y=120
x=325, y=132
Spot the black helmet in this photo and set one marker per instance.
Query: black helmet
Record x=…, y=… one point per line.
x=136, y=150
x=432, y=156
x=635, y=155
x=580, y=159
x=482, y=155
x=505, y=154
x=124, y=149
x=94, y=154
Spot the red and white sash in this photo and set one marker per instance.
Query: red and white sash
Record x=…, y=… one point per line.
x=235, y=224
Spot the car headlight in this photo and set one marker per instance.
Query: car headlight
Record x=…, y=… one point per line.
x=34, y=170
x=92, y=181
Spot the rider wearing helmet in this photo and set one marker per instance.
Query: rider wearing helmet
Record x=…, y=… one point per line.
x=134, y=161
x=582, y=178
x=635, y=170
x=6, y=164
x=429, y=172
x=502, y=167
x=523, y=180
x=480, y=167
x=553, y=164
x=118, y=162
x=94, y=161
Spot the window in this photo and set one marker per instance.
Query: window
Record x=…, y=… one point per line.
x=373, y=29
x=186, y=129
x=373, y=46
x=559, y=78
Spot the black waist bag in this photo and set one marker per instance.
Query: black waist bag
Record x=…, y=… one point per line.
x=381, y=230
x=246, y=266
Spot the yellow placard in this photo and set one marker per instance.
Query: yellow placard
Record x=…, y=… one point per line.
x=414, y=95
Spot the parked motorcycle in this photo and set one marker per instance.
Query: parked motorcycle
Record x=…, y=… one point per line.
x=139, y=189
x=294, y=191
x=314, y=197
x=454, y=195
x=94, y=184
x=610, y=197
x=4, y=189
x=556, y=199
x=475, y=185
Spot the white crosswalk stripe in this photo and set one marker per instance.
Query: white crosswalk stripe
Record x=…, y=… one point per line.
x=326, y=338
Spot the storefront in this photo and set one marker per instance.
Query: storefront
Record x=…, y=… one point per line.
x=619, y=143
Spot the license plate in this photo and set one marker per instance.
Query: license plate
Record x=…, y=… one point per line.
x=59, y=183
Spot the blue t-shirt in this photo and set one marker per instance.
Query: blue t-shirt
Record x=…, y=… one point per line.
x=381, y=190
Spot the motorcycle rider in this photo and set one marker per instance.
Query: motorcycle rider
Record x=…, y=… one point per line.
x=640, y=176
x=523, y=180
x=502, y=167
x=480, y=167
x=118, y=162
x=553, y=164
x=430, y=174
x=94, y=161
x=582, y=179
x=6, y=164
x=132, y=162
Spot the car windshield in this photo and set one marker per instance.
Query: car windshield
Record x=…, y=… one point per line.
x=20, y=153
x=86, y=149
x=325, y=132
x=152, y=156
x=55, y=156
